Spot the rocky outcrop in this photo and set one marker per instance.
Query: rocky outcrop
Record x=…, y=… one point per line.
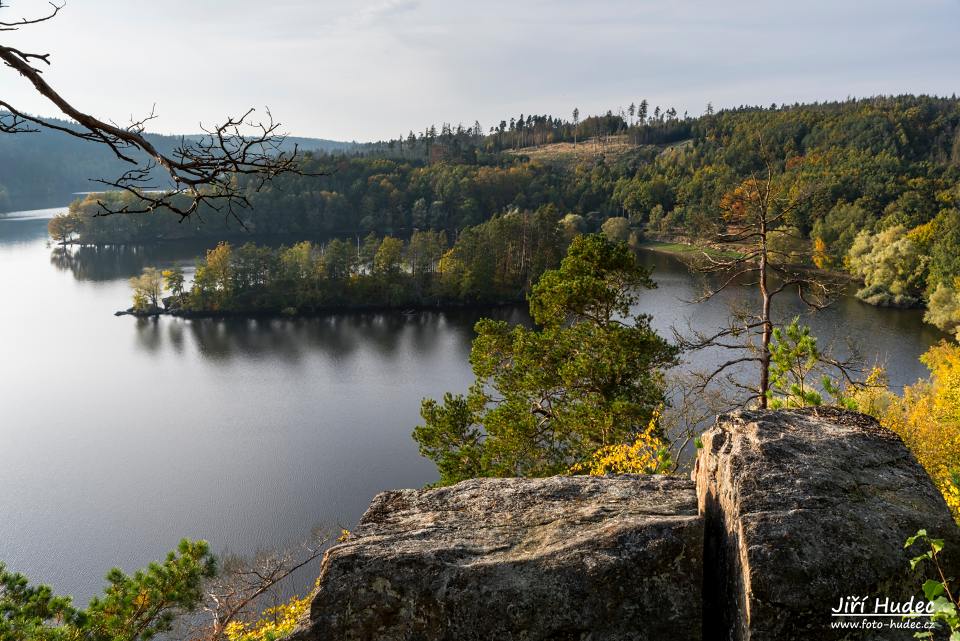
x=803, y=508
x=791, y=513
x=560, y=559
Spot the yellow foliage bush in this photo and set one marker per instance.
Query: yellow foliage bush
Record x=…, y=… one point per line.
x=648, y=454
x=927, y=417
x=278, y=621
x=821, y=257
x=273, y=624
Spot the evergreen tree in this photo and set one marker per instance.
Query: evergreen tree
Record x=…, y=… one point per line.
x=546, y=399
x=132, y=608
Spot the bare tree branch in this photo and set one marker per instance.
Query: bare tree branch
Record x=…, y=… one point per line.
x=203, y=172
x=23, y=22
x=757, y=213
x=236, y=593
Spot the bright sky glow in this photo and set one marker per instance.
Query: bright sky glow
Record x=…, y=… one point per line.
x=373, y=69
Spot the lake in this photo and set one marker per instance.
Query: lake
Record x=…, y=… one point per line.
x=119, y=436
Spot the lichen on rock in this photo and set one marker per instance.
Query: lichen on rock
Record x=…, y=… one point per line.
x=562, y=558
x=803, y=508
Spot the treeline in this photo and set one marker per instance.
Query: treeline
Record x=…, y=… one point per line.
x=889, y=156
x=447, y=178
x=471, y=143
x=359, y=196
x=491, y=263
x=45, y=166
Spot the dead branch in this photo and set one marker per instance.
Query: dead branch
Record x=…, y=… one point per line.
x=756, y=212
x=204, y=171
x=236, y=593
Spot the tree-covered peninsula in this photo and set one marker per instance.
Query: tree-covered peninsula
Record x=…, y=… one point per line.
x=495, y=262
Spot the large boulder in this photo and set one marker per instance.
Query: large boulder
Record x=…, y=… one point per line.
x=563, y=558
x=802, y=509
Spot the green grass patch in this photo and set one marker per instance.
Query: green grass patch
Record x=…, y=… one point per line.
x=688, y=250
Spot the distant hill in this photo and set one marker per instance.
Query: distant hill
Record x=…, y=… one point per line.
x=45, y=168
x=302, y=144
x=320, y=144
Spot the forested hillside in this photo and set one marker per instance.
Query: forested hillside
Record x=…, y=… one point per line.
x=881, y=174
x=48, y=166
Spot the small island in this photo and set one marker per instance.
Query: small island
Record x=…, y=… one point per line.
x=494, y=263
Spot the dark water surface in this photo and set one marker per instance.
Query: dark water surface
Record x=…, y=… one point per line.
x=119, y=436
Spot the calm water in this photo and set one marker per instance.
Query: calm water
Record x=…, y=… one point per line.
x=119, y=436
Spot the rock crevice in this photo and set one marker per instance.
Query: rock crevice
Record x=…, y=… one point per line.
x=801, y=509
x=786, y=513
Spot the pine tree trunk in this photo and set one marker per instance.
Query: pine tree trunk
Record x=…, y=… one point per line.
x=764, y=319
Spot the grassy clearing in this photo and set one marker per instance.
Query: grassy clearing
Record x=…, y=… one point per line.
x=691, y=253
x=682, y=249
x=613, y=147
x=567, y=152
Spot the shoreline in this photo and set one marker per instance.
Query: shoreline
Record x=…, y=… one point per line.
x=331, y=310
x=682, y=249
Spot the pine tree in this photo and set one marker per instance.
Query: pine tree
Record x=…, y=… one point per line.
x=546, y=399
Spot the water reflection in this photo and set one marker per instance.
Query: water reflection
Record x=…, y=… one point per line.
x=15, y=231
x=893, y=338
x=110, y=262
x=890, y=337
x=388, y=334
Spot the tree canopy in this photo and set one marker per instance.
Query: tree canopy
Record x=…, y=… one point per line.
x=132, y=608
x=545, y=399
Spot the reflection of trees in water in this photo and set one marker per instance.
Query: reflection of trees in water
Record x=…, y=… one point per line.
x=23, y=230
x=98, y=263
x=112, y=262
x=148, y=334
x=337, y=335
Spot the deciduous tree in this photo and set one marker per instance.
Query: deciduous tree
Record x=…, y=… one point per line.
x=62, y=228
x=173, y=280
x=616, y=229
x=147, y=289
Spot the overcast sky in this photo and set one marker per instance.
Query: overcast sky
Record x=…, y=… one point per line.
x=375, y=69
